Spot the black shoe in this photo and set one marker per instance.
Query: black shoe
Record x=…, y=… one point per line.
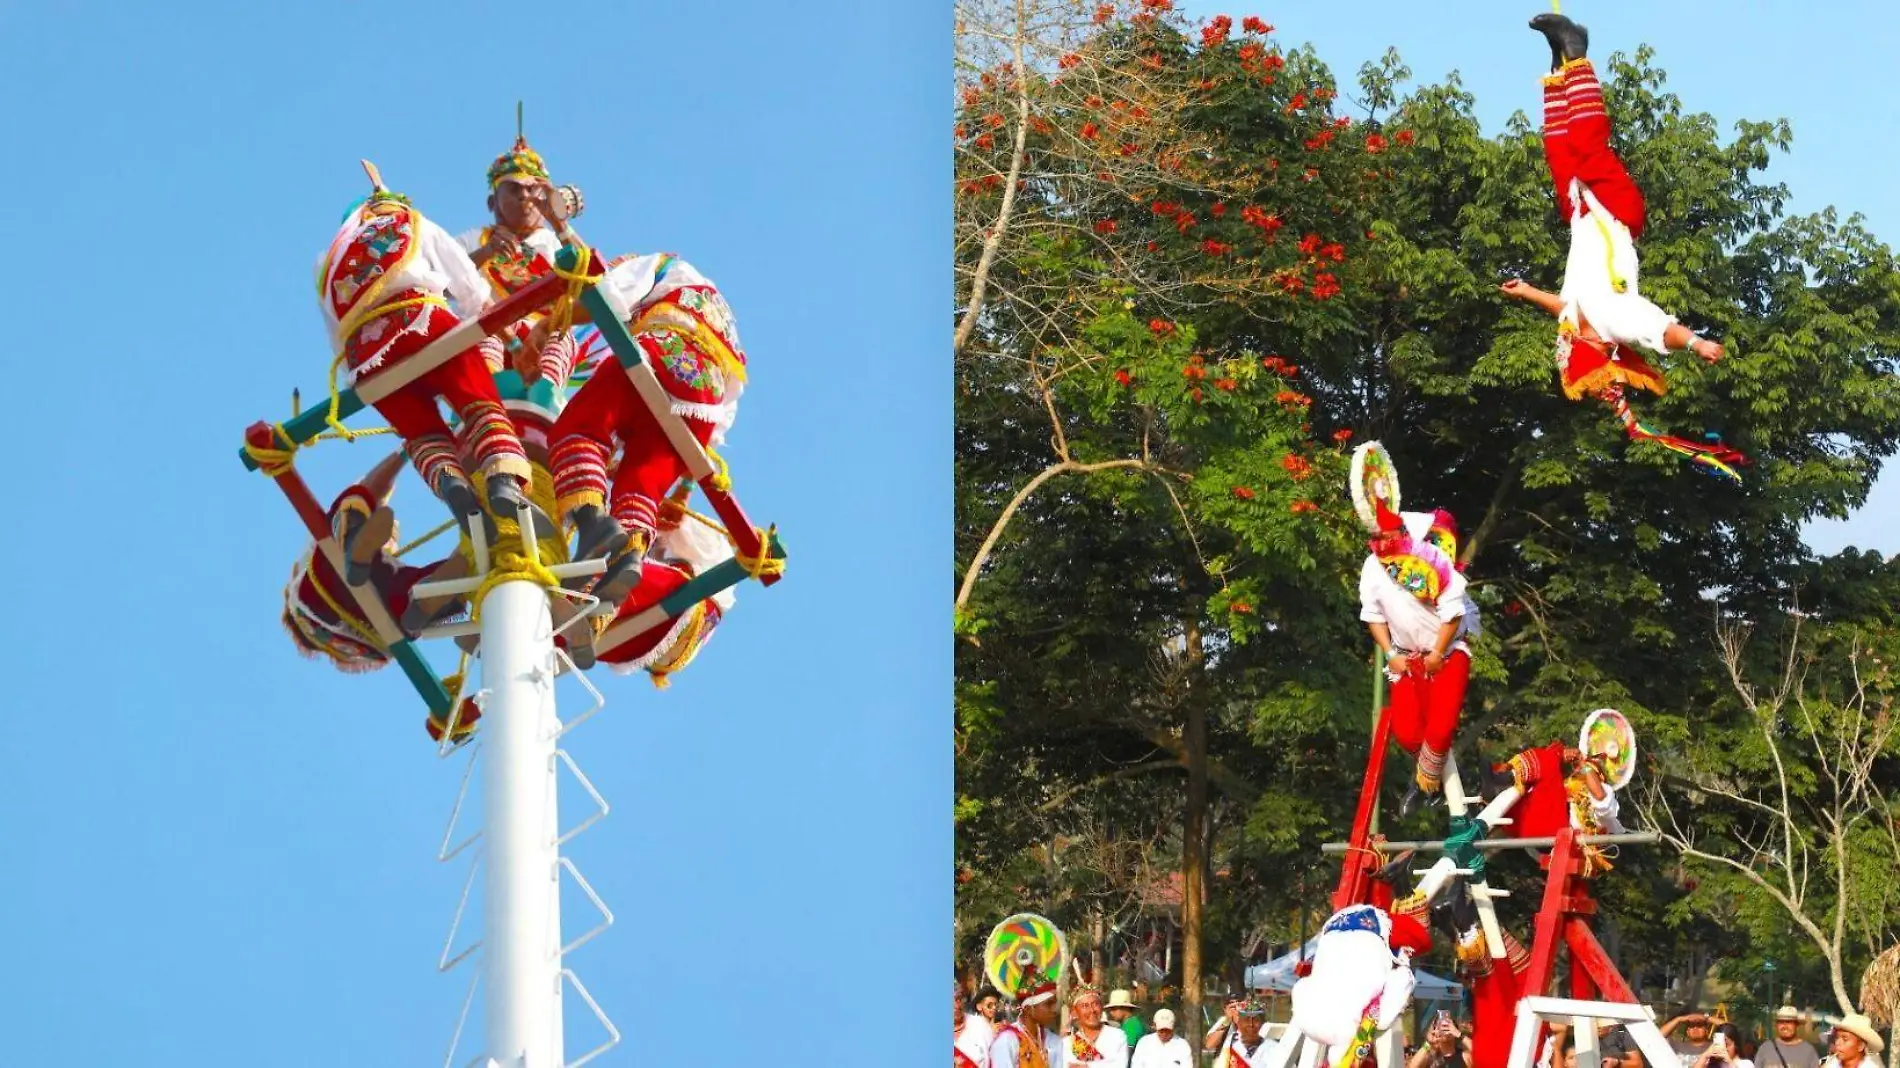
x=506, y=500
x=578, y=637
x=1497, y=779
x=461, y=499
x=363, y=539
x=596, y=533
x=1410, y=802
x=1455, y=911
x=414, y=620
x=621, y=576
x=1568, y=40
x=1394, y=871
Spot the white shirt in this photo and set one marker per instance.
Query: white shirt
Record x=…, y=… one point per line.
x=974, y=1039
x=1112, y=1044
x=1005, y=1051
x=1414, y=624
x=1232, y=1049
x=1151, y=1052
x=1625, y=317
x=439, y=266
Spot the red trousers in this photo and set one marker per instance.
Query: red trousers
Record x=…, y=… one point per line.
x=1577, y=145
x=609, y=409
x=1424, y=708
x=488, y=434
x=1494, y=997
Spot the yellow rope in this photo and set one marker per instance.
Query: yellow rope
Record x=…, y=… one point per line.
x=1609, y=251
x=507, y=559
x=446, y=525
x=722, y=475
x=358, y=625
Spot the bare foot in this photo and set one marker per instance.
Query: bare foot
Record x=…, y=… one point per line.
x=1710, y=351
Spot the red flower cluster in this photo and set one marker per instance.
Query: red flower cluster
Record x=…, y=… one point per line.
x=1160, y=327
x=1227, y=384
x=1295, y=104
x=1069, y=62
x=1279, y=366
x=1290, y=281
x=1259, y=219
x=1219, y=209
x=1344, y=122
x=1158, y=5
x=1514, y=608
x=1297, y=466
x=1254, y=24
x=1292, y=399
x=1302, y=507
x=1241, y=608
x=1153, y=59
x=1335, y=252
x=1273, y=62
x=1216, y=31
x=1164, y=207
x=1376, y=143
x=1342, y=435
x=1104, y=226
x=1248, y=52
x=1243, y=493
x=1319, y=140
x=1309, y=245
x=1090, y=131
x=1040, y=124
x=985, y=141
x=1128, y=148
x=1104, y=12
x=1323, y=94
x=1123, y=376
x=1184, y=221
x=1405, y=137
x=1325, y=286
x=1215, y=248
x=1196, y=394
x=993, y=121
x=1207, y=85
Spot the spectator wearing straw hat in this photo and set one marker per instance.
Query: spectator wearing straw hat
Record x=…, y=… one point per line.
x=1854, y=1044
x=1787, y=1049
x=1125, y=1014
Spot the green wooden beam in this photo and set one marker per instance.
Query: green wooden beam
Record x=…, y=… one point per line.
x=307, y=424
x=422, y=677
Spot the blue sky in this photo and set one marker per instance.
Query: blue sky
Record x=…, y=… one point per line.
x=1819, y=66
x=221, y=854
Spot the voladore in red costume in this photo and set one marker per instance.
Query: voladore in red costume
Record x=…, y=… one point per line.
x=687, y=335
x=390, y=283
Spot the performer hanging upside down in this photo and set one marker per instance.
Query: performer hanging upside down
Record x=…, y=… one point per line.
x=686, y=332
x=1600, y=313
x=1412, y=598
x=320, y=613
x=391, y=282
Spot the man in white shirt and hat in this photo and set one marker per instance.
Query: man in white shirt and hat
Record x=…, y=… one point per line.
x=1092, y=1042
x=1164, y=1048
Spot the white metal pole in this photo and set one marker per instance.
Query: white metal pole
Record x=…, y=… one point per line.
x=521, y=979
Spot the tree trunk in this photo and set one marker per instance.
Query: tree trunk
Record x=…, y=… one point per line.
x=1193, y=841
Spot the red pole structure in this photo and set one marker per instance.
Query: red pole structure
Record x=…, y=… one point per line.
x=1355, y=876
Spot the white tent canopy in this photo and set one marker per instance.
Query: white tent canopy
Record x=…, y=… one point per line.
x=1277, y=975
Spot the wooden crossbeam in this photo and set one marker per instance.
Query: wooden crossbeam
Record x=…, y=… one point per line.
x=681, y=601
x=303, y=427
